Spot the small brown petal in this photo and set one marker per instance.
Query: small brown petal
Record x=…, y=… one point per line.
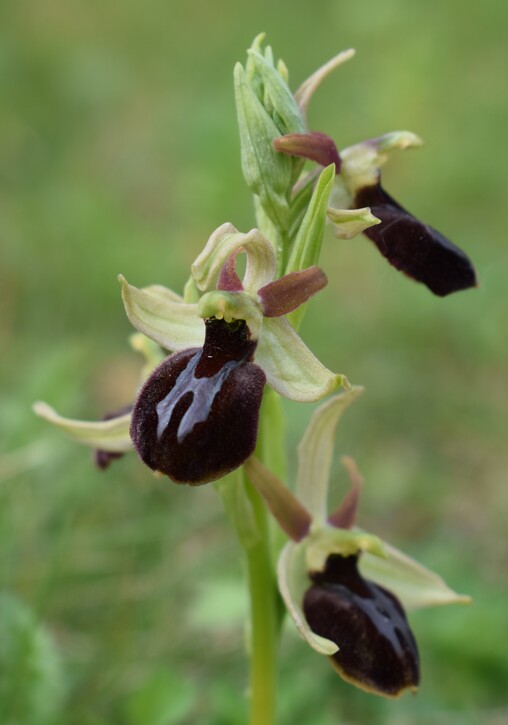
x=229, y=281
x=314, y=146
x=344, y=517
x=289, y=292
x=103, y=459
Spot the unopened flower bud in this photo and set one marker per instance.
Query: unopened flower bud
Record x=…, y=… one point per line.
x=267, y=109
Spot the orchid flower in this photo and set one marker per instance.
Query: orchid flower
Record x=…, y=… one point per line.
x=360, y=204
x=344, y=588
x=196, y=415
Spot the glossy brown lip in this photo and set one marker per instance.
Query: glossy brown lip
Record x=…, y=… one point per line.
x=415, y=248
x=377, y=650
x=196, y=417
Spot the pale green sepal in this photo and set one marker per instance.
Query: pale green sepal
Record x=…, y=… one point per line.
x=226, y=240
x=280, y=97
x=361, y=162
x=230, y=306
x=290, y=367
x=396, y=140
x=267, y=173
x=307, y=245
x=315, y=452
x=293, y=583
x=348, y=223
x=163, y=293
x=325, y=540
x=108, y=435
x=309, y=86
x=173, y=325
x=150, y=350
x=411, y=582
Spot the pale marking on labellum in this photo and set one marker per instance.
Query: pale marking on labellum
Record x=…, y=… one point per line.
x=203, y=391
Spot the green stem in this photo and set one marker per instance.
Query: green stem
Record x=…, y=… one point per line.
x=264, y=619
x=277, y=236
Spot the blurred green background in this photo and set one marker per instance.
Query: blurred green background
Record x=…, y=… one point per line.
x=122, y=596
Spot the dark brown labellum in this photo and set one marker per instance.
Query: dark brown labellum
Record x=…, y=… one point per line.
x=377, y=650
x=196, y=417
x=415, y=248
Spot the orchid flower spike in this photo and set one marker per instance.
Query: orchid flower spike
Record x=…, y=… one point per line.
x=358, y=203
x=196, y=415
x=345, y=589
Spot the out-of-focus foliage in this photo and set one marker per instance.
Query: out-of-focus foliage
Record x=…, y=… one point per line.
x=119, y=153
x=31, y=684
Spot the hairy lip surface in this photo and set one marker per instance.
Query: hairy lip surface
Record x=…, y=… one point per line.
x=196, y=417
x=377, y=650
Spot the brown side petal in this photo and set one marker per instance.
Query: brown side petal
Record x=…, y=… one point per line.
x=228, y=278
x=314, y=146
x=344, y=517
x=289, y=292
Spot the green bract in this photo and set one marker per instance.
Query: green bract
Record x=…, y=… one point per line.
x=267, y=174
x=267, y=109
